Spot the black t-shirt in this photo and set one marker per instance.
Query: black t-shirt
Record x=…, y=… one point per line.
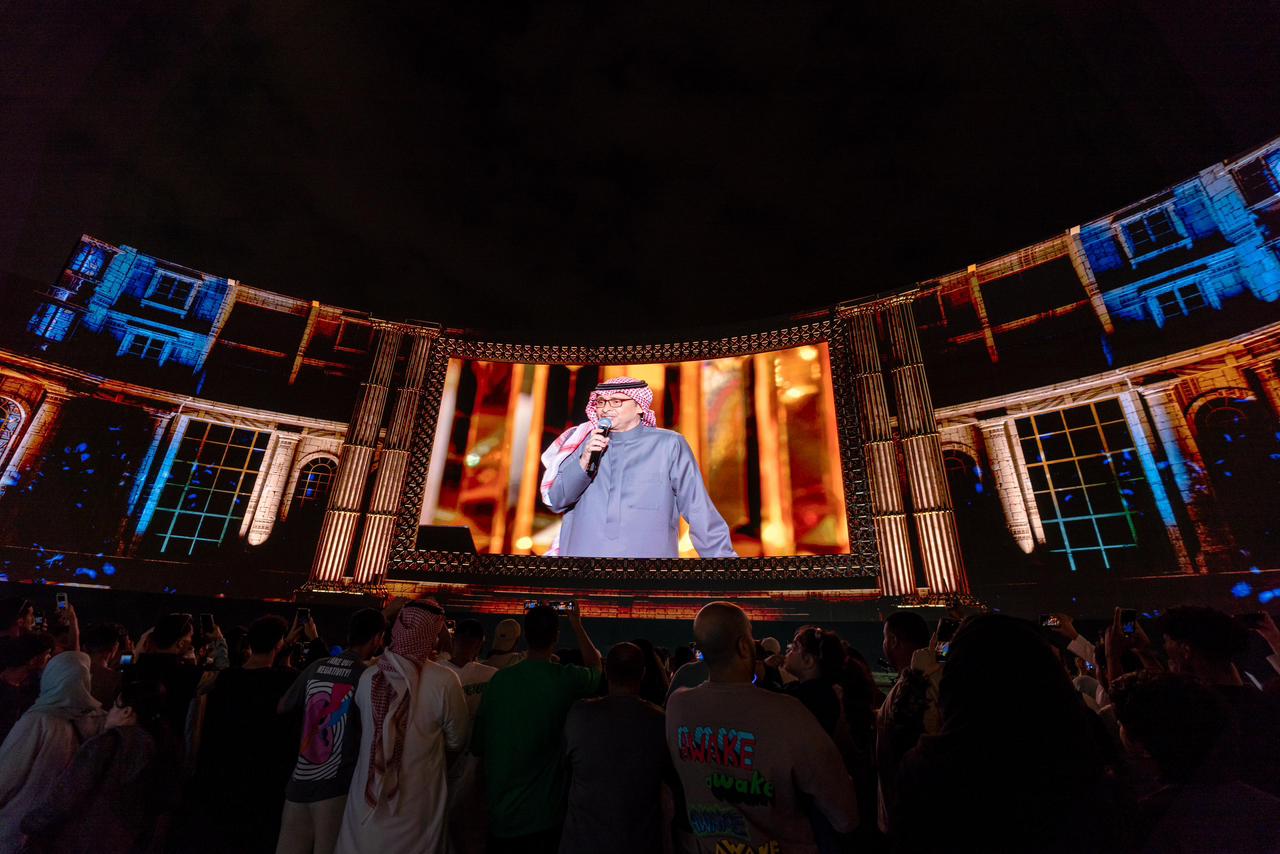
x=247, y=748
x=325, y=693
x=1258, y=717
x=180, y=679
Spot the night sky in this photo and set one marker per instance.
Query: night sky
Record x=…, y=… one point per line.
x=605, y=168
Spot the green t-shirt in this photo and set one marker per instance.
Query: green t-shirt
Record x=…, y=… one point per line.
x=519, y=735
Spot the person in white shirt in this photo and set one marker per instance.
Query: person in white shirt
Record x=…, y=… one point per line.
x=466, y=806
x=412, y=710
x=503, y=654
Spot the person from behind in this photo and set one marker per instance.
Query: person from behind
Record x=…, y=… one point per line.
x=1205, y=643
x=1018, y=757
x=22, y=660
x=910, y=709
x=520, y=734
x=750, y=760
x=505, y=637
x=246, y=749
x=616, y=794
x=814, y=661
x=44, y=742
x=316, y=794
x=467, y=822
x=163, y=659
x=102, y=643
x=412, y=711
x=17, y=617
x=117, y=795
x=1188, y=729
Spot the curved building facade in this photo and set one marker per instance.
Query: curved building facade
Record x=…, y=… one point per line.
x=1105, y=405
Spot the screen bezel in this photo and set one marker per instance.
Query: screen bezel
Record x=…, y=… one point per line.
x=859, y=569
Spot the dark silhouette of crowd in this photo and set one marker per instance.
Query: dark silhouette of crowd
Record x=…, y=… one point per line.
x=980, y=732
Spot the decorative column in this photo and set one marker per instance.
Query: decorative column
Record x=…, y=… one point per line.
x=1017, y=505
x=1145, y=440
x=1084, y=272
x=40, y=429
x=272, y=489
x=160, y=424
x=178, y=429
x=888, y=512
x=338, y=532
x=384, y=503
x=922, y=448
x=1190, y=477
x=1269, y=384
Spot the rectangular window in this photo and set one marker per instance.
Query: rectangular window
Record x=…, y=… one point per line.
x=1180, y=301
x=207, y=492
x=1086, y=481
x=1259, y=179
x=89, y=260
x=149, y=348
x=171, y=292
x=52, y=322
x=1152, y=233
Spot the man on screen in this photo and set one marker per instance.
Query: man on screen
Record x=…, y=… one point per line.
x=647, y=479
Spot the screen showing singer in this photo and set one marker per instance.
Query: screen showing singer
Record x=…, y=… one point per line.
x=623, y=484
x=731, y=456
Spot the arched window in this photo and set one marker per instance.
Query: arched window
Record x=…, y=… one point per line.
x=313, y=483
x=1241, y=450
x=11, y=414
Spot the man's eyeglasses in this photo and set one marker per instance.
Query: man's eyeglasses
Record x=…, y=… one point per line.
x=607, y=402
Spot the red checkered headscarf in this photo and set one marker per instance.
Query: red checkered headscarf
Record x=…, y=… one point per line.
x=414, y=635
x=637, y=390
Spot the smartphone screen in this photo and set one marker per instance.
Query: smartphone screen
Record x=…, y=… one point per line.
x=304, y=614
x=126, y=660
x=1049, y=621
x=1129, y=620
x=698, y=654
x=947, y=629
x=943, y=650
x=206, y=624
x=61, y=599
x=530, y=604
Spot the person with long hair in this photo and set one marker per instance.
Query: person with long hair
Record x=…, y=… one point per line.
x=412, y=710
x=1018, y=757
x=44, y=742
x=120, y=788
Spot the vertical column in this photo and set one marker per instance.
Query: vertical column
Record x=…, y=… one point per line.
x=440, y=446
x=777, y=533
x=1190, y=477
x=1145, y=440
x=527, y=499
x=1269, y=384
x=160, y=423
x=1017, y=508
x=980, y=308
x=338, y=532
x=384, y=503
x=888, y=512
x=39, y=430
x=178, y=430
x=922, y=448
x=1084, y=272
x=273, y=487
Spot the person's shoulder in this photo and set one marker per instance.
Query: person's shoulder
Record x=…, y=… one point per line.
x=663, y=436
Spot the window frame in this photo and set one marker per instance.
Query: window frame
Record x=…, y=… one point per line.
x=154, y=285
x=126, y=343
x=1169, y=208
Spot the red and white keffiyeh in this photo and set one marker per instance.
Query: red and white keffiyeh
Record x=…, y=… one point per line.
x=414, y=635
x=571, y=440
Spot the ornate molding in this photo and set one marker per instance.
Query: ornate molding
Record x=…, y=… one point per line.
x=857, y=570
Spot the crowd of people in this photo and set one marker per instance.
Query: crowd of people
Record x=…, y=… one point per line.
x=423, y=735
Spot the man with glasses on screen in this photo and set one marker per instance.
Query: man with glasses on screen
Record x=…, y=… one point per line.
x=646, y=481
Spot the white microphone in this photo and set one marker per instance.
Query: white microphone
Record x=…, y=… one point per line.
x=604, y=425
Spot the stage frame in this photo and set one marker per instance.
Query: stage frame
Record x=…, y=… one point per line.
x=859, y=569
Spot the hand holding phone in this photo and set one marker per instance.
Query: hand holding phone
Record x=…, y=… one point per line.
x=60, y=599
x=1128, y=621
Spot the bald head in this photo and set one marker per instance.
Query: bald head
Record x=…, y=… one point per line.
x=723, y=633
x=625, y=666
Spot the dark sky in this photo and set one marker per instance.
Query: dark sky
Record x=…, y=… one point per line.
x=581, y=167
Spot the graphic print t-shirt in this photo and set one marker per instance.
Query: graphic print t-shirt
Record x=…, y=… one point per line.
x=752, y=763
x=330, y=746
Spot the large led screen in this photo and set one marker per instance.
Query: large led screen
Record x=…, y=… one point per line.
x=758, y=432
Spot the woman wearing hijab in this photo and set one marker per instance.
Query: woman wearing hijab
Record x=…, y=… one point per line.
x=121, y=783
x=411, y=711
x=44, y=741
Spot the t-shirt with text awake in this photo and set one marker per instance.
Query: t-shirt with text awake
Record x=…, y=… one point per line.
x=752, y=762
x=330, y=745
